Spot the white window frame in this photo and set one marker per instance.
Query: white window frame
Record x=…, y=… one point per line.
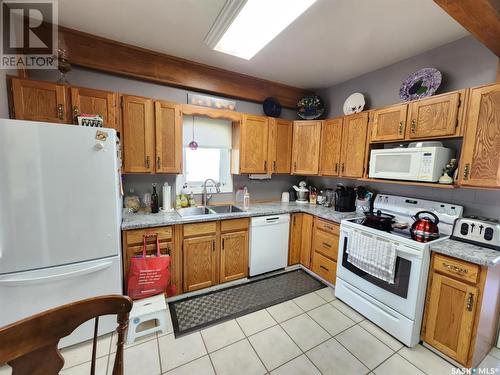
x=197, y=187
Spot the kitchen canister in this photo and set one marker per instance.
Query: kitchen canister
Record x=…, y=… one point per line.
x=285, y=197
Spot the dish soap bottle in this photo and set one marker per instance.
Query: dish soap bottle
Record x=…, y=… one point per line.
x=246, y=199
x=155, y=205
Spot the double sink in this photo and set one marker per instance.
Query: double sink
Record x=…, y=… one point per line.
x=208, y=210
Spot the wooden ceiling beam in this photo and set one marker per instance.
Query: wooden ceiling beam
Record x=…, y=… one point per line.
x=480, y=17
x=94, y=52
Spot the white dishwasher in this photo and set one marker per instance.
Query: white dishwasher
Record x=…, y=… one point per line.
x=268, y=243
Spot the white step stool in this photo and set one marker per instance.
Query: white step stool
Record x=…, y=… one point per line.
x=143, y=310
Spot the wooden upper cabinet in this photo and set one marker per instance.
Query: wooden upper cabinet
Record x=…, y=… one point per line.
x=168, y=132
x=254, y=133
x=306, y=147
x=234, y=256
x=331, y=143
x=138, y=134
x=94, y=102
x=280, y=145
x=354, y=135
x=450, y=316
x=437, y=116
x=388, y=124
x=480, y=160
x=39, y=101
x=199, y=257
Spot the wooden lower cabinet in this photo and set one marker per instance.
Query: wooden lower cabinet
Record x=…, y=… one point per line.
x=214, y=252
x=305, y=240
x=325, y=246
x=462, y=307
x=199, y=255
x=133, y=246
x=295, y=242
x=234, y=256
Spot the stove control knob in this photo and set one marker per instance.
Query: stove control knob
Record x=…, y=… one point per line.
x=464, y=229
x=488, y=234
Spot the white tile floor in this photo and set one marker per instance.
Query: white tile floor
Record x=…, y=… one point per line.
x=313, y=334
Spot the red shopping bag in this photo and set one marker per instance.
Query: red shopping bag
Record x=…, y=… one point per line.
x=149, y=275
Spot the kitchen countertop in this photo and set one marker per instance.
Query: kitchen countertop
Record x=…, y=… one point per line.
x=468, y=252
x=142, y=220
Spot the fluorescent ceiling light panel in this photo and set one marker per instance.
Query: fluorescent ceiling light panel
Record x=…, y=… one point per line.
x=244, y=27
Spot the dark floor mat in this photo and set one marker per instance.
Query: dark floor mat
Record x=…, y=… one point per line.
x=193, y=313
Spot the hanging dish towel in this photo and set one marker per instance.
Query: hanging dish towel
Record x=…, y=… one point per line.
x=375, y=256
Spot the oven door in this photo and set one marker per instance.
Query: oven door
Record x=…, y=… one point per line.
x=409, y=281
x=395, y=164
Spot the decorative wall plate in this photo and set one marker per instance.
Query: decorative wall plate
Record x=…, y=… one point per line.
x=310, y=107
x=420, y=84
x=272, y=107
x=354, y=103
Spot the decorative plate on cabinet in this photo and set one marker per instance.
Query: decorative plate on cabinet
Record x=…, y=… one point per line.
x=420, y=84
x=272, y=107
x=310, y=107
x=354, y=103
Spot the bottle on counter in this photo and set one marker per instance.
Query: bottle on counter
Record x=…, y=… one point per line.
x=192, y=201
x=155, y=201
x=178, y=202
x=246, y=199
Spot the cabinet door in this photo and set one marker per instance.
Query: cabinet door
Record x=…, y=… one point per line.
x=95, y=102
x=450, y=316
x=389, y=123
x=434, y=117
x=306, y=240
x=199, y=256
x=168, y=131
x=138, y=134
x=331, y=143
x=306, y=147
x=354, y=134
x=234, y=256
x=254, y=144
x=280, y=145
x=480, y=161
x=295, y=242
x=39, y=101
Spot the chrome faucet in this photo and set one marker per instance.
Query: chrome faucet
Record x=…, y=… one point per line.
x=205, y=196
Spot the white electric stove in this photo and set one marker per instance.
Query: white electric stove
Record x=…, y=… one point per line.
x=396, y=307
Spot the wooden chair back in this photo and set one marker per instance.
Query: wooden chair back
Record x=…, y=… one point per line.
x=29, y=346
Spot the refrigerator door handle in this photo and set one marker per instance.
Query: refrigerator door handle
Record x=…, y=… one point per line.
x=13, y=280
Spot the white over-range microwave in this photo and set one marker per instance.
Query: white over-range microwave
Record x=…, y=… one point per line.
x=412, y=163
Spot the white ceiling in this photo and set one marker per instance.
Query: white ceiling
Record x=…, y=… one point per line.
x=333, y=41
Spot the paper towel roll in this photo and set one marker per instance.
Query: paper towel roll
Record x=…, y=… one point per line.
x=167, y=197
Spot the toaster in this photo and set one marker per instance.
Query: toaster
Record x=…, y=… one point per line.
x=478, y=231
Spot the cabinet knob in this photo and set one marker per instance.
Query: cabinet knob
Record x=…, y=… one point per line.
x=265, y=165
x=336, y=167
x=147, y=162
x=213, y=245
x=342, y=168
x=401, y=126
x=223, y=244
x=470, y=302
x=274, y=165
x=413, y=126
x=76, y=112
x=466, y=171
x=60, y=111
x=158, y=162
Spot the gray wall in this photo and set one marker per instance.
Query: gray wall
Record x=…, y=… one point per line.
x=463, y=63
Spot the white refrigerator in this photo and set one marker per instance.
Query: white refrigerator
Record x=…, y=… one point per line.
x=60, y=216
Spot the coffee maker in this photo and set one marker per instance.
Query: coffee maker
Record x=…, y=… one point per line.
x=345, y=198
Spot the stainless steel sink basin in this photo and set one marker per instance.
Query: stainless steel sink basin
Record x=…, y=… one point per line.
x=224, y=209
x=194, y=211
